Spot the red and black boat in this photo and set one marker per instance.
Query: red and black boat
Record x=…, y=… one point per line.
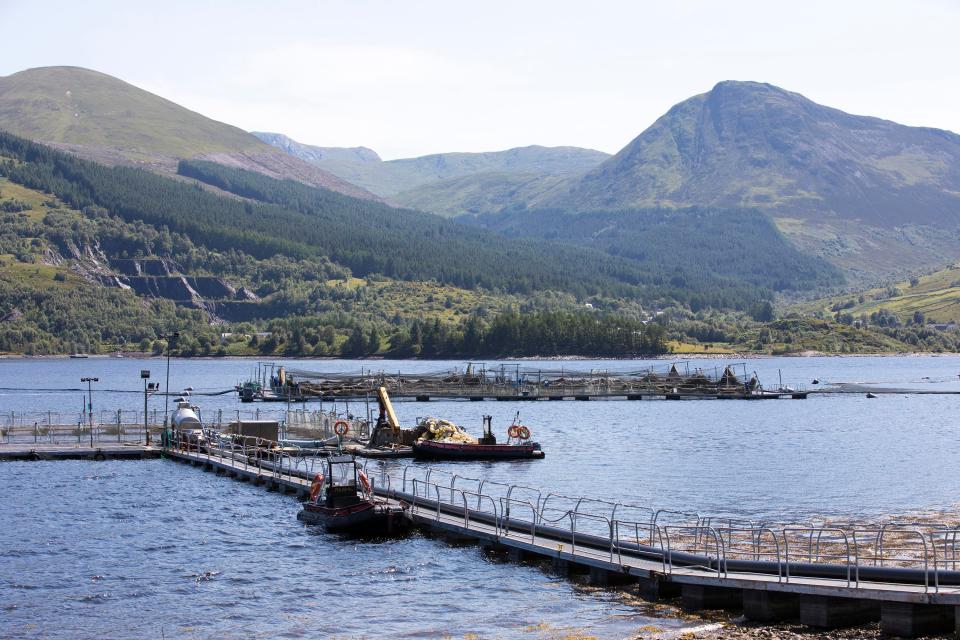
x=342, y=501
x=518, y=446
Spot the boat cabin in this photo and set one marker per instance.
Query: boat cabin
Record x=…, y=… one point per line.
x=341, y=483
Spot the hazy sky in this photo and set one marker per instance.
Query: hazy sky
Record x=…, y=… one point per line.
x=410, y=78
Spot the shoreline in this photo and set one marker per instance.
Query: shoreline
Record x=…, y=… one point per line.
x=672, y=357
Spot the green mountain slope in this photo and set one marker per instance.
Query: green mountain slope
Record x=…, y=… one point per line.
x=363, y=167
x=935, y=296
x=689, y=245
x=102, y=118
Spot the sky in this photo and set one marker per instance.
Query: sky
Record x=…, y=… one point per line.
x=408, y=78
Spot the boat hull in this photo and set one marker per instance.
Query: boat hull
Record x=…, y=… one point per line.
x=430, y=450
x=365, y=518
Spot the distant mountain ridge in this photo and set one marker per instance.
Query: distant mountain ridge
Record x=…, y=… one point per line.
x=362, y=166
x=102, y=118
x=317, y=154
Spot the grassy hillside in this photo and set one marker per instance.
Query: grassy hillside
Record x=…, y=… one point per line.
x=102, y=118
x=936, y=296
x=82, y=107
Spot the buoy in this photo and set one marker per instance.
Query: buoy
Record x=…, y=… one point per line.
x=365, y=481
x=870, y=395
x=315, y=487
x=815, y=381
x=341, y=427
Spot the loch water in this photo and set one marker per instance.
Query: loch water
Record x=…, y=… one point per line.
x=160, y=550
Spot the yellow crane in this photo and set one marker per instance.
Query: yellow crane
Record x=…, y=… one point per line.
x=386, y=410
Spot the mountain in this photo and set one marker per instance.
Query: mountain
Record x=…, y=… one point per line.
x=102, y=118
x=753, y=144
x=363, y=166
x=873, y=196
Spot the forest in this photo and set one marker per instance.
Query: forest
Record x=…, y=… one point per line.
x=733, y=251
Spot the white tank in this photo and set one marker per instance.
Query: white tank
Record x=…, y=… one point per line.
x=184, y=417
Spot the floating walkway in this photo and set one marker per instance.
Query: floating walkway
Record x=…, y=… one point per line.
x=78, y=452
x=907, y=575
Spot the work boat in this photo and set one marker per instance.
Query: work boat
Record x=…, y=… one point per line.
x=444, y=440
x=342, y=500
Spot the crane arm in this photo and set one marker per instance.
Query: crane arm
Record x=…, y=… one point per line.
x=386, y=409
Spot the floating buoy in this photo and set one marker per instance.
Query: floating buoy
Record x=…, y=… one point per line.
x=870, y=395
x=815, y=381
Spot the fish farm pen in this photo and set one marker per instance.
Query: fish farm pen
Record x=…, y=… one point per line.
x=478, y=382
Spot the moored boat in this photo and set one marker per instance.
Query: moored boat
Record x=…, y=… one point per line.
x=342, y=501
x=432, y=450
x=445, y=441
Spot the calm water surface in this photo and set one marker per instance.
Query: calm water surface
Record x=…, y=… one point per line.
x=155, y=549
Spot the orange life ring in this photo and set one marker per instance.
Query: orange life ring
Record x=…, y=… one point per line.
x=365, y=481
x=513, y=431
x=523, y=433
x=341, y=427
x=315, y=487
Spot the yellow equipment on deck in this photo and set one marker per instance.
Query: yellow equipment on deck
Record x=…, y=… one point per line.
x=386, y=409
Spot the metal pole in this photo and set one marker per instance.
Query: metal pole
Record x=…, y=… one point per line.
x=166, y=391
x=146, y=428
x=90, y=382
x=166, y=404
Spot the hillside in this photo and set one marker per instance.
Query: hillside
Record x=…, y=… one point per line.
x=690, y=245
x=102, y=118
x=299, y=222
x=88, y=280
x=363, y=166
x=935, y=296
x=97, y=280
x=477, y=193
